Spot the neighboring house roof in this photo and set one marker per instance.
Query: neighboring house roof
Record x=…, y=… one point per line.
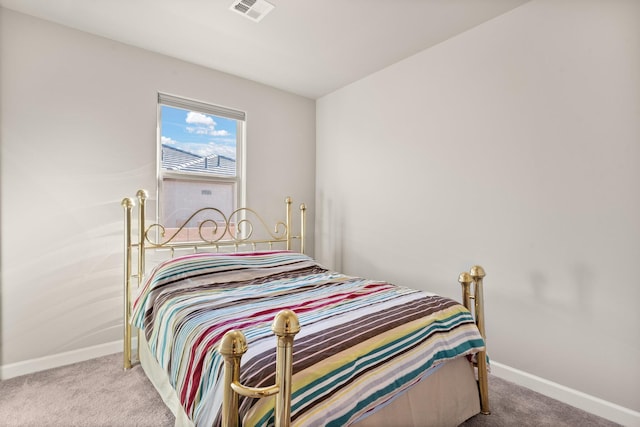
x=176, y=159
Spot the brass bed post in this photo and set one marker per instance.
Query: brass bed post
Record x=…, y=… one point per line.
x=285, y=325
x=288, y=220
x=303, y=225
x=233, y=346
x=477, y=274
x=127, y=204
x=466, y=279
x=142, y=198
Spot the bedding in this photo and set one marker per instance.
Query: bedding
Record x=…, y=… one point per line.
x=362, y=342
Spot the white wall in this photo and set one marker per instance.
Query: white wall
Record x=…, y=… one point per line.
x=78, y=133
x=515, y=145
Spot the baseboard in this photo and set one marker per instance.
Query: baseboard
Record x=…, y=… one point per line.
x=591, y=404
x=56, y=360
x=578, y=399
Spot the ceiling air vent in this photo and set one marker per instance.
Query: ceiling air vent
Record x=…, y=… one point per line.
x=252, y=9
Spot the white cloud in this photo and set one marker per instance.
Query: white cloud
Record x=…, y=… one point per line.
x=198, y=130
x=194, y=117
x=203, y=125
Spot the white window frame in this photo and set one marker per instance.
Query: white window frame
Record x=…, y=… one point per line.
x=206, y=108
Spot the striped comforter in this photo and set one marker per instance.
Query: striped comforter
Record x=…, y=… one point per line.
x=361, y=343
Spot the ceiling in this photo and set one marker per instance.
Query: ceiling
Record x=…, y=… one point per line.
x=310, y=48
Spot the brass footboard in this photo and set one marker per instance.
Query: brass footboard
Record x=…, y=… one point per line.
x=286, y=326
x=474, y=277
x=234, y=345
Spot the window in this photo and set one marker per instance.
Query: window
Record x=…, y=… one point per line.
x=200, y=161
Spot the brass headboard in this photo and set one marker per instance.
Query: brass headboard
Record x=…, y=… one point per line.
x=243, y=230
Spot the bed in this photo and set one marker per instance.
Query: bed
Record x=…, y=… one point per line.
x=348, y=350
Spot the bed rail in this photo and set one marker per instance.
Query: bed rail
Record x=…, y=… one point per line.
x=242, y=230
x=472, y=290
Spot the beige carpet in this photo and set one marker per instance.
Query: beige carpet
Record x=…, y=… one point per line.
x=99, y=393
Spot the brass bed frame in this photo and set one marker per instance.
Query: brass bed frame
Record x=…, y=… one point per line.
x=234, y=233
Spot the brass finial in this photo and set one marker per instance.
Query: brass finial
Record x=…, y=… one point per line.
x=285, y=323
x=477, y=272
x=127, y=202
x=233, y=343
x=303, y=207
x=465, y=278
x=142, y=194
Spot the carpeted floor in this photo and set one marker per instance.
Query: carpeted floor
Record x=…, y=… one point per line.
x=99, y=393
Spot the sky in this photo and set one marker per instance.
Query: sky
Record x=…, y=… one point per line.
x=198, y=133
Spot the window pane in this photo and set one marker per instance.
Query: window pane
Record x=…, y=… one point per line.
x=195, y=142
x=184, y=197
